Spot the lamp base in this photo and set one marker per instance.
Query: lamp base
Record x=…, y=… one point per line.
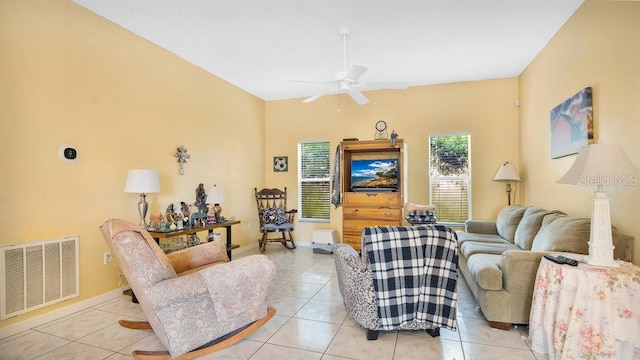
x=142, y=210
x=600, y=240
x=601, y=256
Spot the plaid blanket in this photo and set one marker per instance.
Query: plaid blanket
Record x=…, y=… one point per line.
x=414, y=274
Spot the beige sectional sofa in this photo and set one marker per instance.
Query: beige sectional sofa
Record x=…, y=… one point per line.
x=499, y=259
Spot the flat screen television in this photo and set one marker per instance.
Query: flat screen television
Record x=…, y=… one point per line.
x=374, y=175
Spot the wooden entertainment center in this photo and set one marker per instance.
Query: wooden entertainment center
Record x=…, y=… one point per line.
x=365, y=207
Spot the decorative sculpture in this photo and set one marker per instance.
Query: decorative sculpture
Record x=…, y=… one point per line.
x=182, y=156
x=201, y=199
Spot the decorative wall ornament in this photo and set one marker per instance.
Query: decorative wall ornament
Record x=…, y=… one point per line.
x=181, y=154
x=280, y=163
x=572, y=124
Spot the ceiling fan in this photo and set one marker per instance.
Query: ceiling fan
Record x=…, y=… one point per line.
x=348, y=82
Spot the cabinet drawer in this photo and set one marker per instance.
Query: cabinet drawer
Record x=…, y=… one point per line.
x=372, y=199
x=354, y=227
x=384, y=213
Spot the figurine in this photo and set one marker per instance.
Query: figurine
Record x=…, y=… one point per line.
x=155, y=220
x=201, y=199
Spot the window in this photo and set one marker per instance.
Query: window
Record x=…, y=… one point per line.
x=450, y=177
x=314, y=186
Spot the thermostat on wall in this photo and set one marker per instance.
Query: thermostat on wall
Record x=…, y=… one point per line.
x=67, y=153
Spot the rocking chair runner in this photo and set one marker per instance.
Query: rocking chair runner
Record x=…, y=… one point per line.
x=193, y=313
x=274, y=217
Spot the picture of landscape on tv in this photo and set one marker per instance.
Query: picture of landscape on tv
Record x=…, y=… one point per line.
x=374, y=174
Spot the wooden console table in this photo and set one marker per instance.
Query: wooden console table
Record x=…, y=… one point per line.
x=157, y=235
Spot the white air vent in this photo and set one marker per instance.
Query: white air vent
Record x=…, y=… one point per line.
x=34, y=275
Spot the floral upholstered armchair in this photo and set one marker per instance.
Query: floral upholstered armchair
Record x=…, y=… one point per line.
x=210, y=298
x=413, y=289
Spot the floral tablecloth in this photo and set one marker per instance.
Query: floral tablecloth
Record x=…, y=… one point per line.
x=586, y=312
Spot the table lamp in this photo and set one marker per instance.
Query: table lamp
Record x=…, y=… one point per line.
x=215, y=197
x=507, y=172
x=600, y=165
x=143, y=182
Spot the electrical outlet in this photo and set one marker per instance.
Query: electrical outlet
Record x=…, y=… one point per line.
x=107, y=258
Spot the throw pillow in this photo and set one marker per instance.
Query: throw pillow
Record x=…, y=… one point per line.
x=275, y=216
x=508, y=221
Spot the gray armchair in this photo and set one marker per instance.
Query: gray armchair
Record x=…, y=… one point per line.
x=420, y=260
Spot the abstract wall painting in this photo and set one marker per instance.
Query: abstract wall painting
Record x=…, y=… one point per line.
x=572, y=124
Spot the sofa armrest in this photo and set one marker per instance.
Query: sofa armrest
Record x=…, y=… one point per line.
x=481, y=227
x=519, y=269
x=623, y=247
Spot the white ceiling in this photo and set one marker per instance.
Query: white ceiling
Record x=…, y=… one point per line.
x=258, y=45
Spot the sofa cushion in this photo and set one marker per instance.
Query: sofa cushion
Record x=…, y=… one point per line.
x=508, y=220
x=476, y=247
x=485, y=270
x=465, y=236
x=563, y=233
x=529, y=226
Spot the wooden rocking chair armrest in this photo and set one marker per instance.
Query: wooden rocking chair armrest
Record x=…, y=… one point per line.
x=292, y=211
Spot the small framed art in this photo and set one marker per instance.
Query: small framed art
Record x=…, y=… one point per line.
x=280, y=163
x=572, y=124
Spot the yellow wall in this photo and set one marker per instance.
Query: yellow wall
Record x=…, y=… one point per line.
x=69, y=76
x=483, y=108
x=597, y=47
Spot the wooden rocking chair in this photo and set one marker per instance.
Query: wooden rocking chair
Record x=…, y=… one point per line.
x=274, y=217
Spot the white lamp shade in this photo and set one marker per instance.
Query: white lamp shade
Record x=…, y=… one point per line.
x=600, y=164
x=507, y=172
x=142, y=181
x=215, y=196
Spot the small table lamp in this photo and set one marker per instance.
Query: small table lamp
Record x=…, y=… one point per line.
x=599, y=165
x=507, y=172
x=215, y=197
x=143, y=182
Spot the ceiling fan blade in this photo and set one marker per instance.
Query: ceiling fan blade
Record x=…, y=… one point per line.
x=307, y=82
x=386, y=85
x=316, y=96
x=358, y=97
x=355, y=72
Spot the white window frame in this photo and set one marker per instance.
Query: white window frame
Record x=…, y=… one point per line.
x=467, y=178
x=327, y=179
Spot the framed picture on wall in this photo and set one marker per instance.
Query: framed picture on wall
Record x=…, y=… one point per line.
x=280, y=163
x=572, y=124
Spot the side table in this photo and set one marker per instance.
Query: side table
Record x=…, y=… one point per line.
x=586, y=312
x=186, y=231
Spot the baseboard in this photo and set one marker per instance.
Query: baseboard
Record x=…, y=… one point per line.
x=59, y=313
x=247, y=248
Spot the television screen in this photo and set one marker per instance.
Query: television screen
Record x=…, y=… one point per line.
x=371, y=174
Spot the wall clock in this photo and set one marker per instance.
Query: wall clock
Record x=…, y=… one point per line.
x=381, y=130
x=280, y=163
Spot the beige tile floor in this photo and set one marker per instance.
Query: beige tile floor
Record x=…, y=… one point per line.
x=311, y=323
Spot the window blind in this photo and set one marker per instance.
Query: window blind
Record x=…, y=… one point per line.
x=450, y=177
x=314, y=180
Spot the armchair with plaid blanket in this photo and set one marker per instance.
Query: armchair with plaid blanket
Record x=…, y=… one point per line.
x=404, y=280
